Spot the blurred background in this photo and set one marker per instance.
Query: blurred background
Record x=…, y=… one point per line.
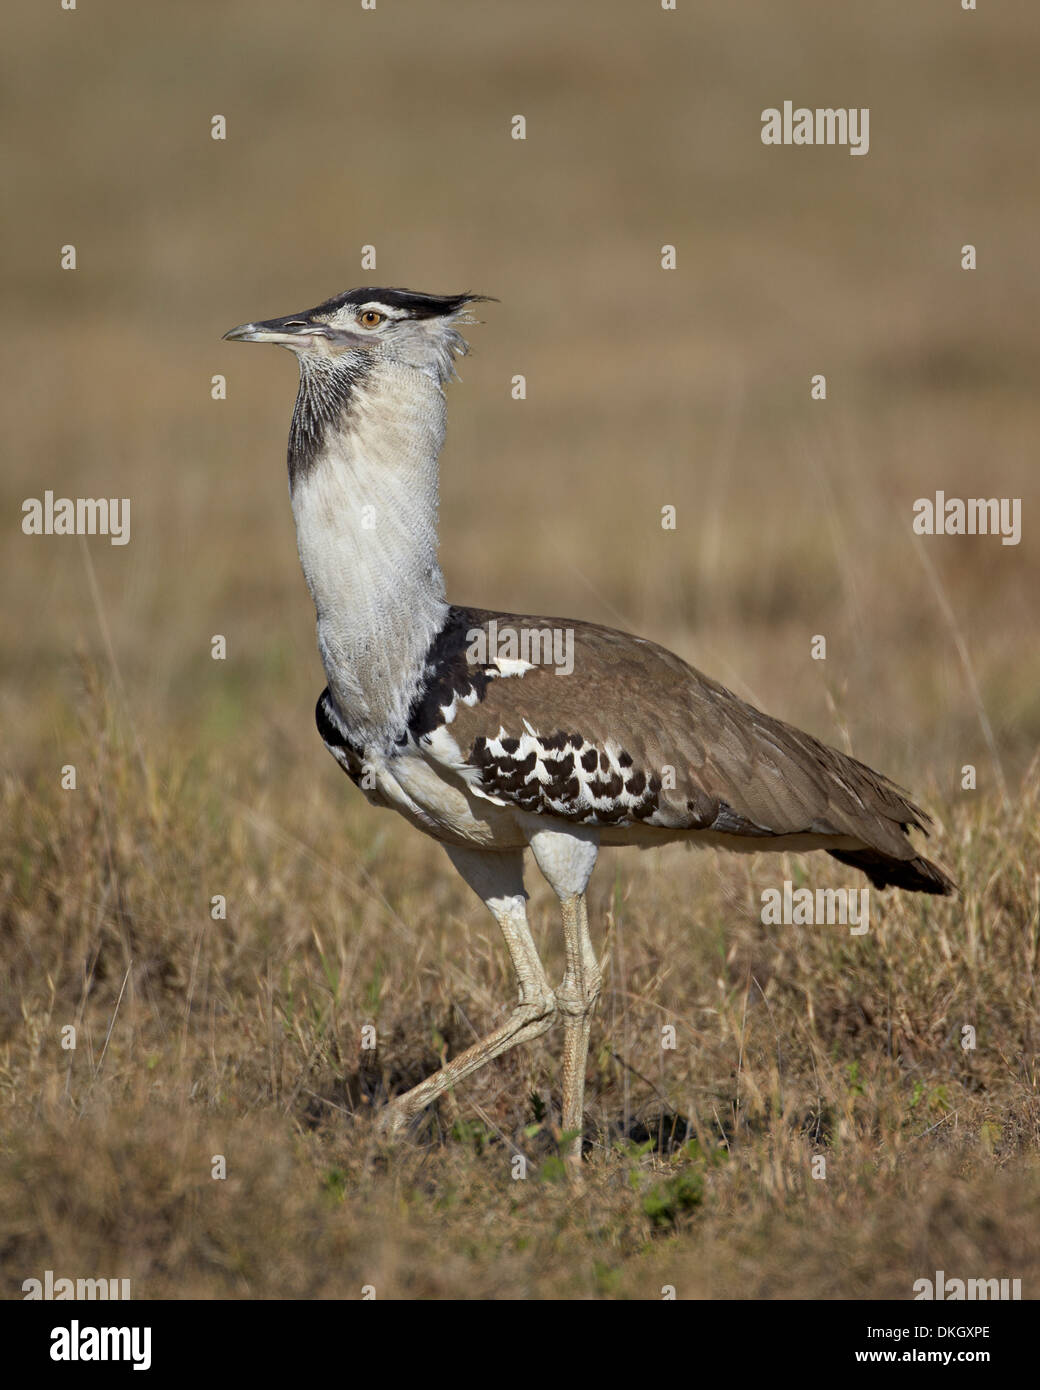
x=645, y=388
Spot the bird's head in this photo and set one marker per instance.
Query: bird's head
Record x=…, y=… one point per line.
x=361, y=326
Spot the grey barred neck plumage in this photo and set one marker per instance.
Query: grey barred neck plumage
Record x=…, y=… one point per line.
x=491, y=753
x=366, y=531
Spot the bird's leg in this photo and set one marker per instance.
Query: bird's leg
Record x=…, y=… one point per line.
x=576, y=999
x=498, y=879
x=566, y=855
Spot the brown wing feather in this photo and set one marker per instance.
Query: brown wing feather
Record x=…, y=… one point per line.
x=645, y=711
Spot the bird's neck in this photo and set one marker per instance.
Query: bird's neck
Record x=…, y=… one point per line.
x=364, y=496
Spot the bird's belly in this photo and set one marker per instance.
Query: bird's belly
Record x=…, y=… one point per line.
x=446, y=809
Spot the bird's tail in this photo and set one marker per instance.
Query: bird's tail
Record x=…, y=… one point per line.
x=917, y=874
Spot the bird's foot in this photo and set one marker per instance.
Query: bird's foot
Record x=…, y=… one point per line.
x=392, y=1120
x=574, y=1166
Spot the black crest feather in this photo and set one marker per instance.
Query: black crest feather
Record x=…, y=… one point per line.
x=413, y=302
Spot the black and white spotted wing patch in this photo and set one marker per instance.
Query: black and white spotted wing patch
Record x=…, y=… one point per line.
x=563, y=775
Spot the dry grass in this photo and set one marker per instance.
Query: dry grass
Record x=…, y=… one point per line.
x=242, y=1037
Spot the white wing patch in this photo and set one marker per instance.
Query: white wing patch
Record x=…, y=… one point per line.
x=511, y=666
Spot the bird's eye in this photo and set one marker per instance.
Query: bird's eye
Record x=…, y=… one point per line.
x=370, y=319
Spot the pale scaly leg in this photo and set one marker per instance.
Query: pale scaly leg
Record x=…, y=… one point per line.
x=498, y=879
x=576, y=999
x=567, y=856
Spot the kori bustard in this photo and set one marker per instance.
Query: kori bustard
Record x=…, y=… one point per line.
x=441, y=712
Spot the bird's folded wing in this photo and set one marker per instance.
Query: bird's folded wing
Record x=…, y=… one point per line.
x=632, y=734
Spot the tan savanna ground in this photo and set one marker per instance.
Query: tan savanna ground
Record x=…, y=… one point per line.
x=645, y=388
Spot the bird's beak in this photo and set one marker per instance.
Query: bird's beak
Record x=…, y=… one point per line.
x=293, y=331
x=297, y=331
